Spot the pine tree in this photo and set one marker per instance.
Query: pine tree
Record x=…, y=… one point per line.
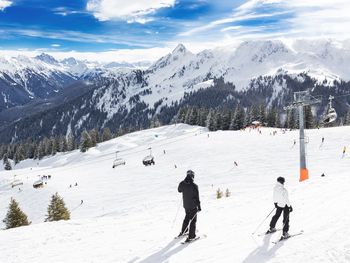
x=41, y=150
x=262, y=114
x=210, y=122
x=94, y=137
x=57, y=209
x=292, y=123
x=219, y=193
x=85, y=141
x=19, y=154
x=238, y=119
x=193, y=117
x=347, y=118
x=271, y=117
x=248, y=117
x=226, y=120
x=70, y=142
x=107, y=134
x=7, y=164
x=15, y=217
x=278, y=120
x=63, y=144
x=48, y=146
x=254, y=113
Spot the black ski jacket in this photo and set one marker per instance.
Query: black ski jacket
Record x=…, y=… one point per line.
x=190, y=194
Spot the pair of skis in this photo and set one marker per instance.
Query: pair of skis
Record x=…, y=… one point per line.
x=282, y=238
x=191, y=240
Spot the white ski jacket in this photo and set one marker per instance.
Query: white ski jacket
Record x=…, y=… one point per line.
x=280, y=195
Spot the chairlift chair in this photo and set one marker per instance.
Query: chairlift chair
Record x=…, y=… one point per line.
x=149, y=159
x=16, y=182
x=118, y=161
x=331, y=114
x=38, y=184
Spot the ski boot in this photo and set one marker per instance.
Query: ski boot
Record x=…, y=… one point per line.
x=285, y=235
x=271, y=230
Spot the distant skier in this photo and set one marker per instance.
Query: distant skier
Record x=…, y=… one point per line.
x=281, y=200
x=322, y=139
x=344, y=151
x=191, y=203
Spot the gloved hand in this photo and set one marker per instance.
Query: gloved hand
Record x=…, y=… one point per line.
x=276, y=205
x=199, y=208
x=290, y=209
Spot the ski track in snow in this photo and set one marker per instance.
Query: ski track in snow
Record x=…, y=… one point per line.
x=130, y=213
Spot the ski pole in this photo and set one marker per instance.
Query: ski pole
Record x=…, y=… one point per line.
x=263, y=220
x=189, y=223
x=178, y=208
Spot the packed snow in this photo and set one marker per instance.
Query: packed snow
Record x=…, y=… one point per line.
x=132, y=213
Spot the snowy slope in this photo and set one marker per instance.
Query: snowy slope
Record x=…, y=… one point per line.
x=131, y=213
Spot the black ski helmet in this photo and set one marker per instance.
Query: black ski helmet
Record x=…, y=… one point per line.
x=190, y=173
x=281, y=180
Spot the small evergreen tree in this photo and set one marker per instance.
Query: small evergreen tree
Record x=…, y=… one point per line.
x=94, y=137
x=15, y=217
x=227, y=193
x=107, y=134
x=85, y=141
x=7, y=164
x=219, y=193
x=70, y=142
x=57, y=209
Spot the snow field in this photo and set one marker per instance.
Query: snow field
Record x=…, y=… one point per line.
x=132, y=213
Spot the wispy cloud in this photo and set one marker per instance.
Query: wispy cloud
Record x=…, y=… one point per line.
x=131, y=11
x=64, y=11
x=235, y=18
x=55, y=45
x=76, y=36
x=310, y=18
x=4, y=4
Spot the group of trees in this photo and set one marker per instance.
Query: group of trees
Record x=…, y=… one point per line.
x=56, y=210
x=227, y=119
x=50, y=146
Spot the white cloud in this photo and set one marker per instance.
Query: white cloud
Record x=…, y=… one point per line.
x=77, y=36
x=310, y=18
x=131, y=11
x=55, y=45
x=235, y=18
x=294, y=19
x=4, y=4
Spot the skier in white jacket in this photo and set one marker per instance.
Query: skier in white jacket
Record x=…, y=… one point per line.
x=281, y=200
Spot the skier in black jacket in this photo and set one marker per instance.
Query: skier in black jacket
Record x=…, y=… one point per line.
x=191, y=203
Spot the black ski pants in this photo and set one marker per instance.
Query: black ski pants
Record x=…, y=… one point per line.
x=285, y=218
x=190, y=218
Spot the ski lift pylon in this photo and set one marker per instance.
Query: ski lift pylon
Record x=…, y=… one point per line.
x=331, y=114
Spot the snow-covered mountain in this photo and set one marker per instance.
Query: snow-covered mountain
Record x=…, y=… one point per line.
x=125, y=96
x=132, y=213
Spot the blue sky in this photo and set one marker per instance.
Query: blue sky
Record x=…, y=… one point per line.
x=110, y=25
